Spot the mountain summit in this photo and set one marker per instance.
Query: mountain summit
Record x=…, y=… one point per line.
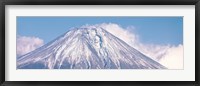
x=87, y=48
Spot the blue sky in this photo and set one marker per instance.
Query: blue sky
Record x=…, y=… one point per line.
x=153, y=30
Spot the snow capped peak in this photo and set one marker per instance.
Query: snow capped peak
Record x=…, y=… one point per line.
x=87, y=47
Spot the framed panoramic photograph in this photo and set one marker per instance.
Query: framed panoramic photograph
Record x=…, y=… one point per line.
x=141, y=43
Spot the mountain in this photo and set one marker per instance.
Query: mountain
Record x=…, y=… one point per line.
x=87, y=48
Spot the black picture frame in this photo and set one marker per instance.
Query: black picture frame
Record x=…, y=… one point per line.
x=98, y=2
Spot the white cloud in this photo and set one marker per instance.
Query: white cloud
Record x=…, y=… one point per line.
x=168, y=55
x=173, y=58
x=126, y=34
x=27, y=44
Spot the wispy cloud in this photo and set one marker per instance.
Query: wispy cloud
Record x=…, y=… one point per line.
x=27, y=44
x=169, y=55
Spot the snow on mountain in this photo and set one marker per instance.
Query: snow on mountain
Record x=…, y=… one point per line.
x=87, y=48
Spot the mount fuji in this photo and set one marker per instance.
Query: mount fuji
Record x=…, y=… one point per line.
x=87, y=48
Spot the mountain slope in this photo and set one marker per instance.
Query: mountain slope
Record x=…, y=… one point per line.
x=86, y=48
